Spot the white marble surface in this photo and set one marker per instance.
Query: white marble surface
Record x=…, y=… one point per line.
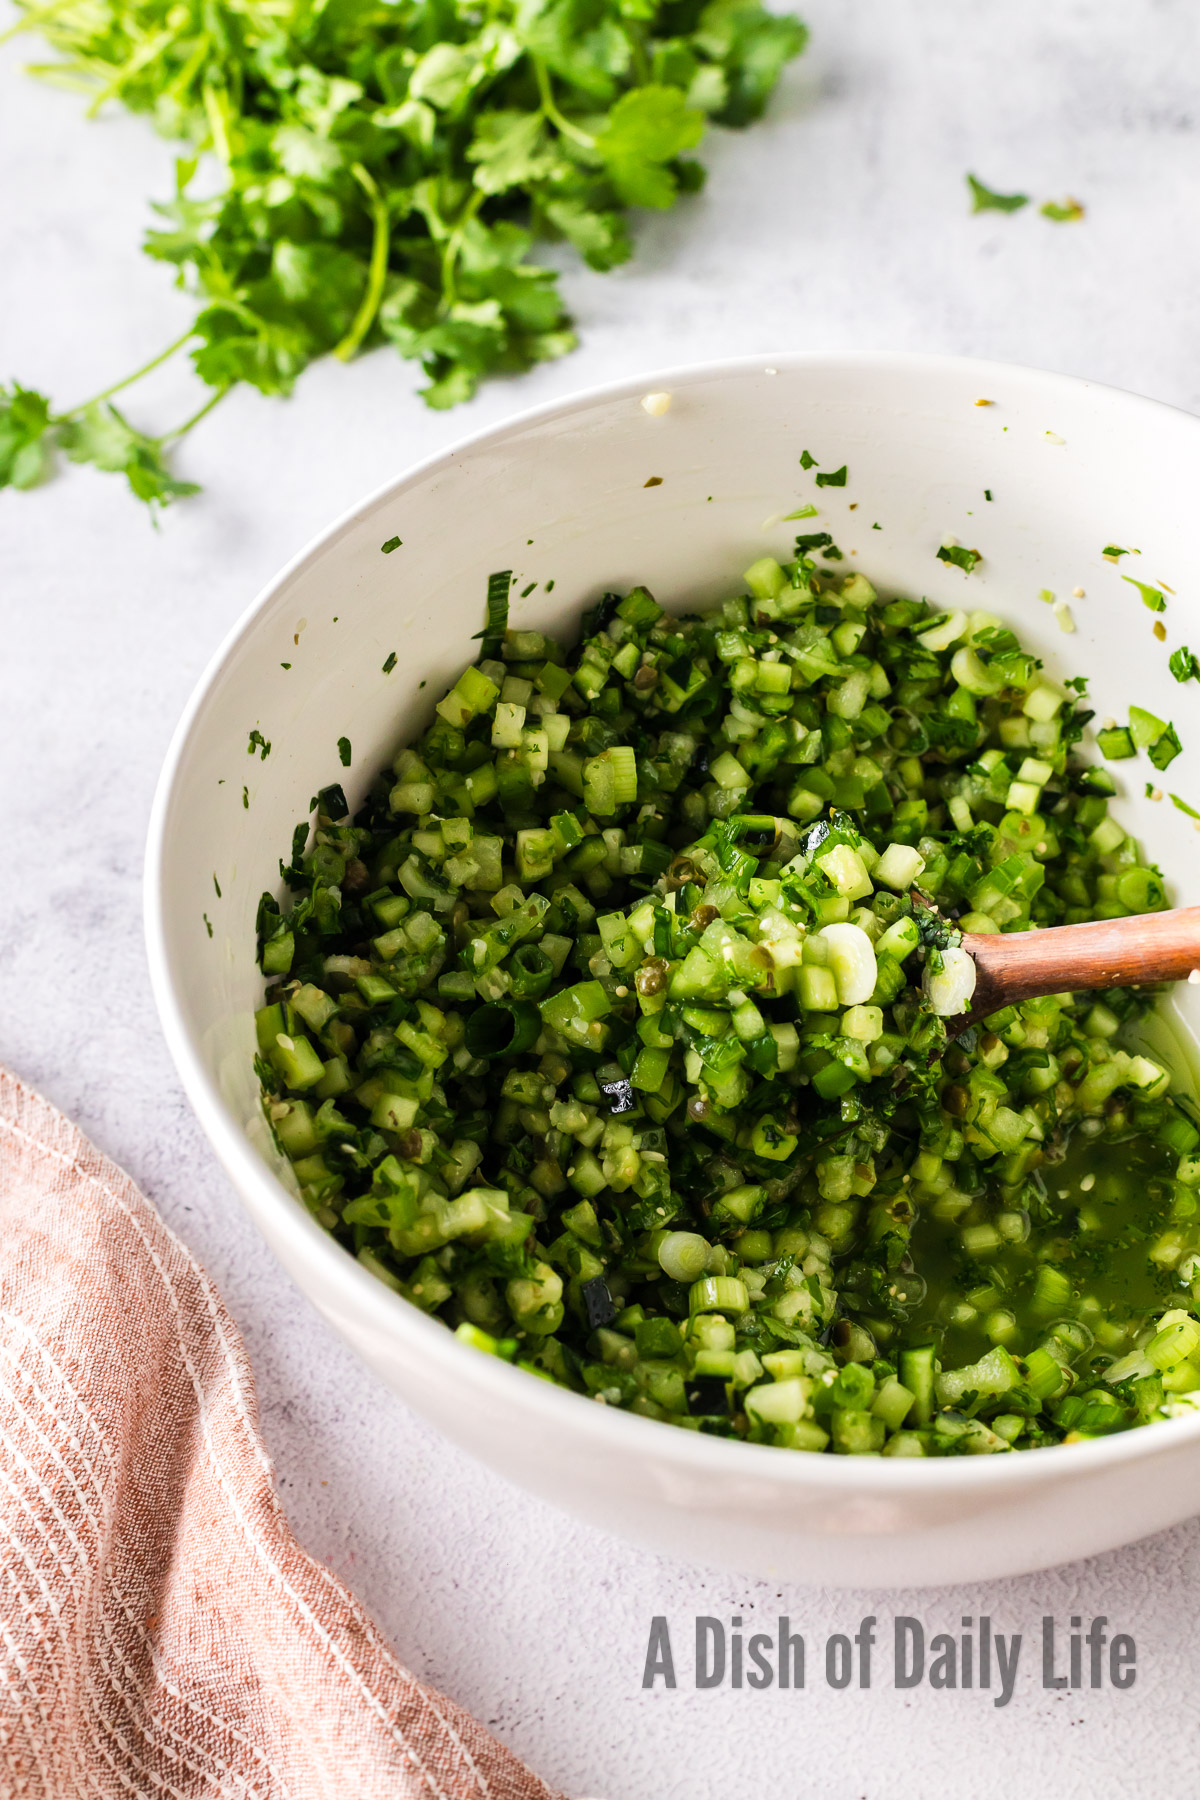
x=840, y=223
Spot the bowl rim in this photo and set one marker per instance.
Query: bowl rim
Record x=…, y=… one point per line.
x=387, y=1314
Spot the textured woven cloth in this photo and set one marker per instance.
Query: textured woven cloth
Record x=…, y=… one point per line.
x=161, y=1631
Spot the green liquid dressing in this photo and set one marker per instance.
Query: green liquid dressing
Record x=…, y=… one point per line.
x=1099, y=1239
x=1101, y=1236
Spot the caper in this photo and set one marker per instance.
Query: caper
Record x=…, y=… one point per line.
x=651, y=978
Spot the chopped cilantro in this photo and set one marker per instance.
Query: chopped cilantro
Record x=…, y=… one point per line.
x=959, y=555
x=390, y=663
x=1183, y=665
x=1066, y=214
x=654, y=481
x=985, y=199
x=217, y=886
x=285, y=665
x=526, y=591
x=550, y=587
x=807, y=461
x=207, y=923
x=877, y=528
x=246, y=798
x=987, y=493
x=815, y=540
x=1151, y=596
x=1167, y=748
x=1113, y=551
x=393, y=543
x=343, y=748
x=836, y=478
x=258, y=742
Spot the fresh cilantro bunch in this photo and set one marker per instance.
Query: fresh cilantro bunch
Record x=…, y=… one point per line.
x=384, y=172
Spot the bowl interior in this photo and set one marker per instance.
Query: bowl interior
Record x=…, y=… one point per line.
x=595, y=494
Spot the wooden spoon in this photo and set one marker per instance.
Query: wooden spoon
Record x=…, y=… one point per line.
x=1058, y=959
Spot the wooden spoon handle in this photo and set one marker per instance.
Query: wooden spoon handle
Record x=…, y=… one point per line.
x=1144, y=949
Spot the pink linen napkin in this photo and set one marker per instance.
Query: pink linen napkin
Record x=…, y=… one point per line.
x=162, y=1632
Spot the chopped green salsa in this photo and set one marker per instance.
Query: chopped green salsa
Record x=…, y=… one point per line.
x=611, y=1030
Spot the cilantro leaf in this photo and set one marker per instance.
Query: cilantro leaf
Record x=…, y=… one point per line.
x=959, y=555
x=1183, y=665
x=985, y=199
x=1167, y=748
x=835, y=478
x=599, y=234
x=749, y=47
x=1151, y=596
x=102, y=436
x=511, y=149
x=26, y=438
x=951, y=734
x=646, y=130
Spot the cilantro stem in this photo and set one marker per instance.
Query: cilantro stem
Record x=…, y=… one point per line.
x=364, y=318
x=35, y=17
x=641, y=62
x=126, y=381
x=191, y=67
x=141, y=59
x=216, y=123
x=550, y=108
x=173, y=437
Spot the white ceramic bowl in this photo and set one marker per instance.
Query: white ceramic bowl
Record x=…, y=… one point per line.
x=561, y=494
